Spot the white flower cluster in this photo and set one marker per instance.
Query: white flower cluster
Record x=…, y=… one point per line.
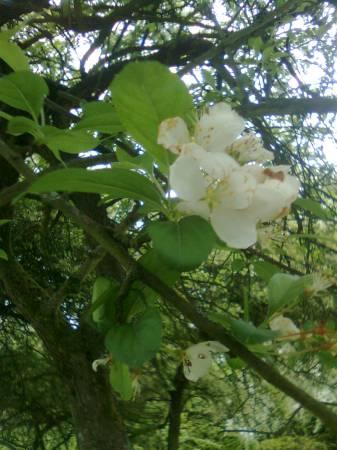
x=218, y=176
x=286, y=328
x=198, y=359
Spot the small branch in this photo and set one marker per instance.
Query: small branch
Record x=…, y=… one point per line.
x=209, y=328
x=176, y=408
x=187, y=309
x=77, y=277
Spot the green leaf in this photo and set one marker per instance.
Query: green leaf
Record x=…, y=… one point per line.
x=256, y=43
x=268, y=53
x=12, y=54
x=327, y=360
x=236, y=363
x=3, y=254
x=121, y=380
x=313, y=207
x=118, y=183
x=100, y=116
x=141, y=296
x=155, y=264
x=184, y=245
x=19, y=125
x=146, y=93
x=238, y=264
x=136, y=342
x=144, y=161
x=103, y=308
x=24, y=90
x=265, y=270
x=69, y=141
x=284, y=290
x=247, y=333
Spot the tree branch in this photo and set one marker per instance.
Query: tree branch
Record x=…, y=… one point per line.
x=284, y=106
x=211, y=329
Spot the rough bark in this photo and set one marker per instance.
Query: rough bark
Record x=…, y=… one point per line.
x=97, y=422
x=176, y=408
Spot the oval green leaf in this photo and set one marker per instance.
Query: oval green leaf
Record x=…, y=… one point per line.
x=116, y=182
x=136, y=342
x=183, y=245
x=146, y=93
x=121, y=380
x=100, y=116
x=25, y=91
x=284, y=290
x=12, y=54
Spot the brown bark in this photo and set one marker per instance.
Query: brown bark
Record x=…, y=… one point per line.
x=176, y=408
x=97, y=422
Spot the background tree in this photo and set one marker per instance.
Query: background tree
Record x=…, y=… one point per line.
x=82, y=274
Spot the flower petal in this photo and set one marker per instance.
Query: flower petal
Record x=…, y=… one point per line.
x=173, y=133
x=197, y=207
x=285, y=326
x=186, y=178
x=216, y=347
x=197, y=361
x=273, y=197
x=235, y=227
x=100, y=362
x=237, y=190
x=218, y=128
x=249, y=148
x=217, y=165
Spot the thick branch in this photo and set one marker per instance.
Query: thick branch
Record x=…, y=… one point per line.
x=176, y=408
x=284, y=106
x=211, y=329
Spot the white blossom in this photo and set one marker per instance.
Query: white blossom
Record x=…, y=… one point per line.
x=285, y=327
x=215, y=131
x=197, y=359
x=249, y=148
x=286, y=349
x=319, y=283
x=211, y=180
x=173, y=133
x=218, y=128
x=234, y=198
x=100, y=362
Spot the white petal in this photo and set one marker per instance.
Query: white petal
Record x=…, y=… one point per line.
x=285, y=326
x=273, y=197
x=249, y=148
x=100, y=362
x=186, y=178
x=256, y=171
x=218, y=128
x=198, y=207
x=173, y=133
x=235, y=227
x=197, y=361
x=216, y=346
x=286, y=348
x=237, y=190
x=194, y=150
x=217, y=165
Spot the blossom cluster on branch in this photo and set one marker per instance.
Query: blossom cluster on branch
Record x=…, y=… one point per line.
x=219, y=175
